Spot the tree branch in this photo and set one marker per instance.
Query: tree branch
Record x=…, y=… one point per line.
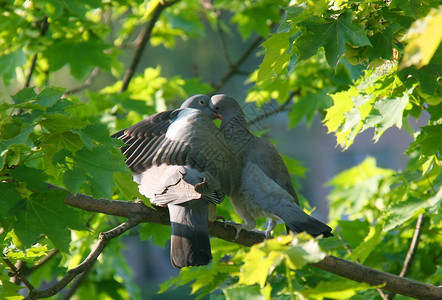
x=144, y=38
x=76, y=284
x=222, y=38
x=44, y=25
x=87, y=263
x=16, y=273
x=234, y=67
x=341, y=267
x=409, y=258
x=87, y=83
x=278, y=109
x=392, y=283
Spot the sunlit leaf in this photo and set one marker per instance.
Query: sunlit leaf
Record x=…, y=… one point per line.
x=245, y=292
x=424, y=37
x=370, y=242
x=337, y=289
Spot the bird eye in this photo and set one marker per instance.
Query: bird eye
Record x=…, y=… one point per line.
x=201, y=102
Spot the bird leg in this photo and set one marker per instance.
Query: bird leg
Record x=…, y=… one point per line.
x=272, y=225
x=246, y=226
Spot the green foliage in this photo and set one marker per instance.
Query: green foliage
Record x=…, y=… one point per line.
x=357, y=65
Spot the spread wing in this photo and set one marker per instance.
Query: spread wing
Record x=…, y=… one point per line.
x=184, y=137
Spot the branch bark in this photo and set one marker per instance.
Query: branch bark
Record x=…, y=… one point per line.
x=335, y=265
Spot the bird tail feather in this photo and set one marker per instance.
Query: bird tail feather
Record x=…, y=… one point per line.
x=190, y=241
x=298, y=221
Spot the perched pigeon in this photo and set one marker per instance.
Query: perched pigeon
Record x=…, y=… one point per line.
x=181, y=160
x=266, y=188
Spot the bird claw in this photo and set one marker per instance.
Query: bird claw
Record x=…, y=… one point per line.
x=272, y=225
x=221, y=218
x=237, y=226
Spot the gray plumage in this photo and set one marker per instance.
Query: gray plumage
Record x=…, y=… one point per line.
x=182, y=161
x=266, y=188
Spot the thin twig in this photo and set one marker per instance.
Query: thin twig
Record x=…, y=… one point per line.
x=222, y=38
x=411, y=254
x=234, y=67
x=16, y=279
x=409, y=258
x=44, y=25
x=87, y=263
x=145, y=37
x=87, y=83
x=18, y=274
x=278, y=109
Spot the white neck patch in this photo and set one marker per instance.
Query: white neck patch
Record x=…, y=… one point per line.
x=175, y=130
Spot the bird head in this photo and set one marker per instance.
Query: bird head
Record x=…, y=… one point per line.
x=200, y=102
x=224, y=107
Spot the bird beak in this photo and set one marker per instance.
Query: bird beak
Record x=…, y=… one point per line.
x=217, y=115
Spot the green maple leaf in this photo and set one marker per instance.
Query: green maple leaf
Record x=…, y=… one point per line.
x=369, y=244
x=31, y=176
x=9, y=62
x=99, y=164
x=45, y=213
x=430, y=139
x=244, y=292
x=74, y=179
x=332, y=34
x=308, y=105
x=382, y=44
x=428, y=76
x=276, y=57
x=387, y=113
x=8, y=197
x=24, y=95
x=82, y=56
x=343, y=103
